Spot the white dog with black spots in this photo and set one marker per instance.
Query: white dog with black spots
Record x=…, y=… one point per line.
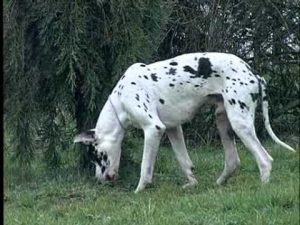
x=161, y=96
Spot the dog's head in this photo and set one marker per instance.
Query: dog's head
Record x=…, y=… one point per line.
x=102, y=153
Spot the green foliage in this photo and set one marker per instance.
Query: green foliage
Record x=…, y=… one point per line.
x=62, y=59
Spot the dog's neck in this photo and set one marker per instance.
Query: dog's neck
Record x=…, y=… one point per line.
x=110, y=135
x=108, y=125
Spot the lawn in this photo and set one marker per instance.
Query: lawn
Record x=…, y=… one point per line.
x=69, y=196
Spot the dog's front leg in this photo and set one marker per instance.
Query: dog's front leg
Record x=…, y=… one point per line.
x=152, y=136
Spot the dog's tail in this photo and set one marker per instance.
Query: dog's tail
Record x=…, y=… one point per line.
x=265, y=107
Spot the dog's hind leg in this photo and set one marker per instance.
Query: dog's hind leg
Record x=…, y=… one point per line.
x=243, y=125
x=232, y=160
x=177, y=141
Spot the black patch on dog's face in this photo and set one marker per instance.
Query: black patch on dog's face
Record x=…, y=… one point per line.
x=99, y=158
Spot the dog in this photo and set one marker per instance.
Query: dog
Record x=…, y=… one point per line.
x=161, y=96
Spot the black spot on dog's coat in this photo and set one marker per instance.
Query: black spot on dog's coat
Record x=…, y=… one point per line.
x=172, y=71
x=143, y=65
x=189, y=70
x=173, y=63
x=146, y=108
x=171, y=85
x=145, y=77
x=133, y=83
x=137, y=97
x=252, y=81
x=162, y=101
x=204, y=69
x=243, y=105
x=154, y=77
x=157, y=127
x=232, y=101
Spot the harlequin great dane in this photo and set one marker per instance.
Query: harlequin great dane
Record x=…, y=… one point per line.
x=161, y=96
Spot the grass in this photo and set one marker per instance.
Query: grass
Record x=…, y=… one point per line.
x=69, y=196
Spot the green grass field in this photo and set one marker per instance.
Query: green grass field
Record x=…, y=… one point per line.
x=68, y=196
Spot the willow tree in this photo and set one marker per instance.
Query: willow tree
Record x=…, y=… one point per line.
x=62, y=59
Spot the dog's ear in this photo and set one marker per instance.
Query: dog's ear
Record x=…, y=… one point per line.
x=86, y=137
